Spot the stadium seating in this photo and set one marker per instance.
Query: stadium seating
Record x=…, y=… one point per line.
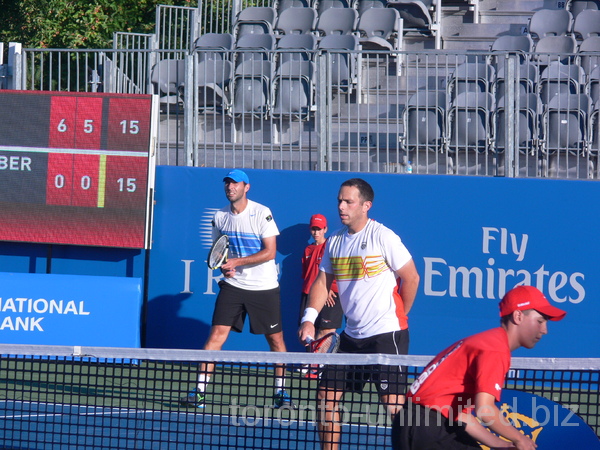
x=293, y=90
x=589, y=54
x=471, y=77
x=295, y=20
x=469, y=122
x=586, y=25
x=577, y=6
x=554, y=48
x=214, y=45
x=342, y=58
x=362, y=5
x=379, y=29
x=526, y=76
x=415, y=14
x=254, y=47
x=167, y=76
x=214, y=76
x=527, y=130
x=323, y=5
x=550, y=22
x=281, y=5
x=296, y=47
x=425, y=121
x=592, y=87
x=565, y=123
x=520, y=44
x=337, y=21
x=252, y=89
x=254, y=20
x=560, y=78
x=449, y=104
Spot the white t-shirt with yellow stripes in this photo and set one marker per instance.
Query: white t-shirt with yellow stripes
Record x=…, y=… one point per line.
x=364, y=266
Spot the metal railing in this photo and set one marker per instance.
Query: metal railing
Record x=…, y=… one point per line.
x=393, y=108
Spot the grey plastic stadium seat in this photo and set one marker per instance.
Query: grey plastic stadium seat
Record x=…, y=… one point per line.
x=251, y=89
x=519, y=44
x=342, y=58
x=254, y=47
x=589, y=54
x=293, y=90
x=593, y=85
x=214, y=46
x=379, y=28
x=214, y=77
x=527, y=133
x=469, y=122
x=337, y=21
x=526, y=74
x=414, y=13
x=565, y=123
x=471, y=76
x=323, y=5
x=425, y=121
x=560, y=78
x=282, y=5
x=254, y=20
x=296, y=21
x=167, y=76
x=577, y=6
x=550, y=22
x=362, y=5
x=586, y=25
x=554, y=48
x=296, y=47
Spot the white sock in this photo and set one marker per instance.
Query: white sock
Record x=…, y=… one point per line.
x=203, y=380
x=279, y=383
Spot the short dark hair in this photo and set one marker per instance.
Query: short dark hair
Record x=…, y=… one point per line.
x=365, y=190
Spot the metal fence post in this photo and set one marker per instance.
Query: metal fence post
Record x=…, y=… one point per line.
x=190, y=111
x=323, y=116
x=511, y=116
x=15, y=66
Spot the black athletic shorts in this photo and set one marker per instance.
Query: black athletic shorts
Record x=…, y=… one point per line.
x=263, y=307
x=329, y=317
x=387, y=379
x=418, y=427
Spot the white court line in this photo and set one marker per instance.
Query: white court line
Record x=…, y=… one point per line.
x=106, y=411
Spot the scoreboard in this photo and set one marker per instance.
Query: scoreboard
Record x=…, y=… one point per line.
x=77, y=168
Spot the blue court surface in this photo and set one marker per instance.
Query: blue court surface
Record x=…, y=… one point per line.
x=41, y=426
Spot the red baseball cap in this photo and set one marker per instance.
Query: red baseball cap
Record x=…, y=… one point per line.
x=318, y=220
x=522, y=298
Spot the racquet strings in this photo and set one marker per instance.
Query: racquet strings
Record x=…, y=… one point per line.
x=217, y=254
x=327, y=344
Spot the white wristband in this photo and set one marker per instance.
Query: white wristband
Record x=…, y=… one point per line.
x=310, y=315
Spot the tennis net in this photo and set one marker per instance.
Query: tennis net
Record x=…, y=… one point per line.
x=55, y=397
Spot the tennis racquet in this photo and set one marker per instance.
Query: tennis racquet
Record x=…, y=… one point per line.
x=217, y=256
x=327, y=344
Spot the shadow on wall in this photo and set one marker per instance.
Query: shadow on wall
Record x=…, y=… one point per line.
x=291, y=243
x=168, y=329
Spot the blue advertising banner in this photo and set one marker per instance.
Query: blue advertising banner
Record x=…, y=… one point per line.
x=549, y=424
x=472, y=239
x=43, y=309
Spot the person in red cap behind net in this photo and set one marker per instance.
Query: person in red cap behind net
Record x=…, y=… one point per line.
x=331, y=316
x=463, y=382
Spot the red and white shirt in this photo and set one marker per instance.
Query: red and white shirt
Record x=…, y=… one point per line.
x=449, y=383
x=364, y=266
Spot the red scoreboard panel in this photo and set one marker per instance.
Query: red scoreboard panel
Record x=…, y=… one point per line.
x=76, y=168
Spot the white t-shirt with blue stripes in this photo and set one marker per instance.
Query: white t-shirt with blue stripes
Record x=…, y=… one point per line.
x=246, y=232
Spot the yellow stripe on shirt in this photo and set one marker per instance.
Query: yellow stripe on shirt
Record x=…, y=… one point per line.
x=355, y=268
